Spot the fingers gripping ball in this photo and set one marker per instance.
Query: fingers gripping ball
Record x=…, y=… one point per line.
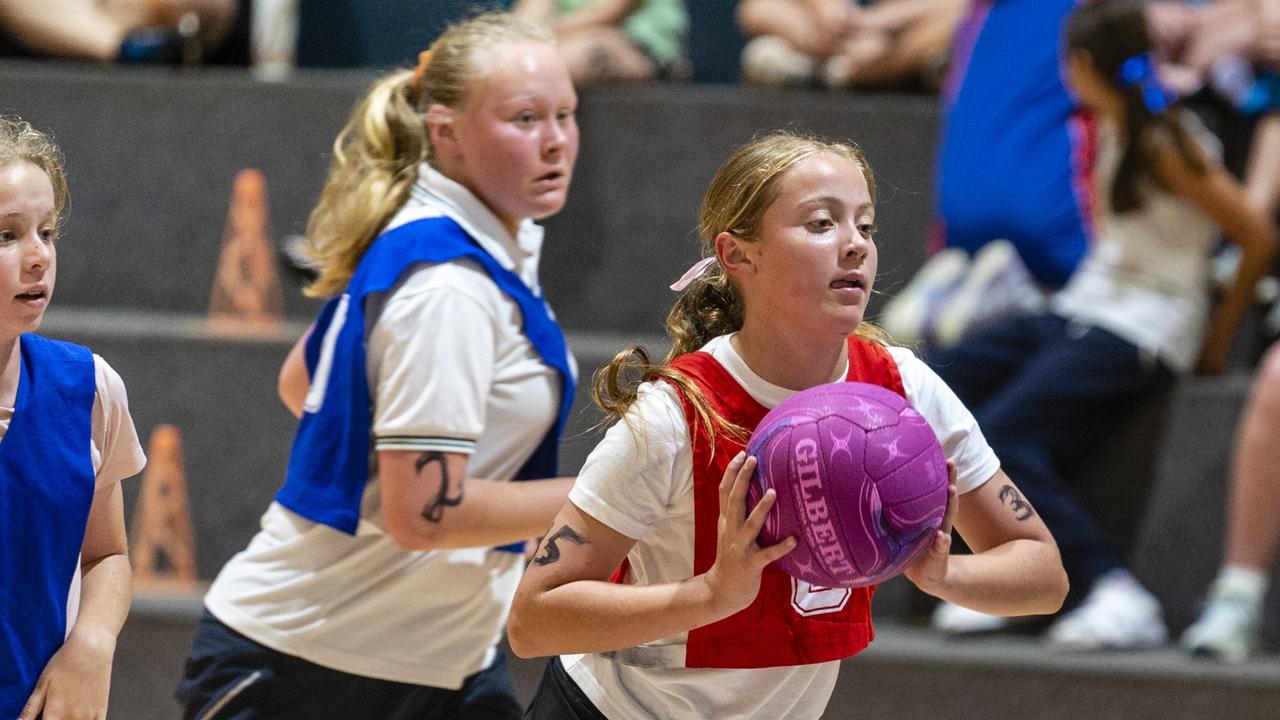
x=861, y=483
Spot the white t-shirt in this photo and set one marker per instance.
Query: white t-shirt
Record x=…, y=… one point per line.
x=449, y=370
x=114, y=449
x=641, y=485
x=1146, y=277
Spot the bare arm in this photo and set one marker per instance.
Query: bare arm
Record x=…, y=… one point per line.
x=542, y=12
x=428, y=502
x=597, y=14
x=565, y=603
x=66, y=28
x=1221, y=197
x=1015, y=568
x=814, y=27
x=294, y=381
x=77, y=680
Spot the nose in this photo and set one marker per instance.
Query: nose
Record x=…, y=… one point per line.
x=37, y=254
x=554, y=137
x=856, y=245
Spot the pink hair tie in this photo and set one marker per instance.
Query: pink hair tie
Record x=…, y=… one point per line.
x=693, y=273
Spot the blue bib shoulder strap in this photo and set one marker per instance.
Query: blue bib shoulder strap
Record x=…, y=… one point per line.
x=46, y=490
x=329, y=463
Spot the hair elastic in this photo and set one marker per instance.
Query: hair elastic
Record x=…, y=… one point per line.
x=420, y=72
x=696, y=271
x=1140, y=71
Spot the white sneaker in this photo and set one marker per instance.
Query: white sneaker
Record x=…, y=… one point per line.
x=956, y=620
x=908, y=316
x=998, y=285
x=771, y=60
x=1118, y=614
x=1227, y=629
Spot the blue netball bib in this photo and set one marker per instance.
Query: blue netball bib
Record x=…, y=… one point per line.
x=329, y=463
x=46, y=490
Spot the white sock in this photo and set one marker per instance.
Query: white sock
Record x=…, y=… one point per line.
x=1241, y=581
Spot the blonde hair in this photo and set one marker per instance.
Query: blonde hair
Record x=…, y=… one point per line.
x=742, y=190
x=20, y=142
x=377, y=154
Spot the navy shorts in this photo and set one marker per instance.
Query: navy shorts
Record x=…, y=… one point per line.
x=230, y=677
x=560, y=698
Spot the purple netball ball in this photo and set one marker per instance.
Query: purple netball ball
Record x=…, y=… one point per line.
x=861, y=483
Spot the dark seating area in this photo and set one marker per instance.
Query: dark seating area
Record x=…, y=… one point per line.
x=152, y=154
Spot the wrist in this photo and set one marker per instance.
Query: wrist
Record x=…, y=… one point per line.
x=712, y=599
x=96, y=639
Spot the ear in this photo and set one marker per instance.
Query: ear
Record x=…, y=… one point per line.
x=440, y=128
x=734, y=255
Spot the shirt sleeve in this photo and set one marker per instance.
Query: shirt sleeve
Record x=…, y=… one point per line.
x=957, y=430
x=643, y=464
x=115, y=450
x=435, y=348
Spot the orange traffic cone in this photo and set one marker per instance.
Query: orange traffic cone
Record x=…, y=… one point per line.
x=161, y=529
x=246, y=290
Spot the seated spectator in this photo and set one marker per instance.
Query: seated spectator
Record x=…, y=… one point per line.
x=603, y=40
x=1134, y=315
x=1227, y=629
x=1037, y=200
x=174, y=31
x=892, y=43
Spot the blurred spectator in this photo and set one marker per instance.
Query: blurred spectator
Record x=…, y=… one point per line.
x=115, y=30
x=843, y=44
x=1013, y=163
x=1134, y=315
x=603, y=40
x=1227, y=629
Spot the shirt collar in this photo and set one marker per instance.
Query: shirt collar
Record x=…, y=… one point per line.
x=435, y=195
x=761, y=390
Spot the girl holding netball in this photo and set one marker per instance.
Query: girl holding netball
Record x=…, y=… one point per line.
x=381, y=579
x=66, y=442
x=698, y=621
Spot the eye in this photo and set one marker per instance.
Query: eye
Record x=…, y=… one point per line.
x=6, y=236
x=821, y=224
x=48, y=234
x=526, y=117
x=565, y=115
x=867, y=229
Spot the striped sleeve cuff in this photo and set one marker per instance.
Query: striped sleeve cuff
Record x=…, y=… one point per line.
x=438, y=444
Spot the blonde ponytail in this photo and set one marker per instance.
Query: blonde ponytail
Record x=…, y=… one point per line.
x=377, y=155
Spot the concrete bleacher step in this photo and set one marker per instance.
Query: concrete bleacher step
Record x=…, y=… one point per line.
x=906, y=673
x=152, y=155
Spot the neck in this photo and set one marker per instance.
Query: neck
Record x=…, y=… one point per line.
x=787, y=359
x=9, y=366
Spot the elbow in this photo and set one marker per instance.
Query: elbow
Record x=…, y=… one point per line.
x=1056, y=583
x=520, y=636
x=410, y=535
x=1058, y=590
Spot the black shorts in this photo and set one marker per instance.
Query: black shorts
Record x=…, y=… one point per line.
x=230, y=677
x=560, y=698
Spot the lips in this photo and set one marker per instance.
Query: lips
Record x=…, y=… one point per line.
x=33, y=296
x=847, y=283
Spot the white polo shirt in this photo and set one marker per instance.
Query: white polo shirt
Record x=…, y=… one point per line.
x=449, y=370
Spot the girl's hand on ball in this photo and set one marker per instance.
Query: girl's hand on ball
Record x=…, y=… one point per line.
x=734, y=578
x=929, y=573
